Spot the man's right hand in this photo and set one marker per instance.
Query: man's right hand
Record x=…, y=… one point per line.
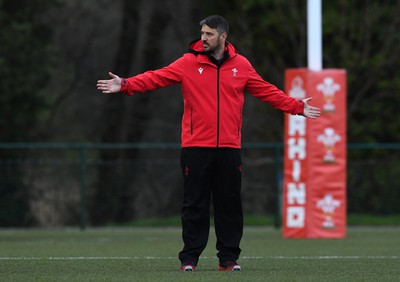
x=112, y=85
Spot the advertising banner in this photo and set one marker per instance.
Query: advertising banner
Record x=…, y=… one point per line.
x=314, y=192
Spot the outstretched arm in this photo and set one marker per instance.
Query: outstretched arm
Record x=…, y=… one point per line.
x=310, y=111
x=112, y=85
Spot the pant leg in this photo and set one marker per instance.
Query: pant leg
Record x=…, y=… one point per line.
x=228, y=214
x=196, y=166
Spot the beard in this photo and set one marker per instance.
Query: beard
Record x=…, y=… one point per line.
x=209, y=50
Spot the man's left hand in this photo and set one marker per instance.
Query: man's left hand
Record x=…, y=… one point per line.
x=310, y=111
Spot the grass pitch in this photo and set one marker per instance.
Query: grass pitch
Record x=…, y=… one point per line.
x=150, y=254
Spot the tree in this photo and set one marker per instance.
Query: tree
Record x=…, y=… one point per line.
x=361, y=36
x=24, y=72
x=24, y=68
x=52, y=52
x=145, y=32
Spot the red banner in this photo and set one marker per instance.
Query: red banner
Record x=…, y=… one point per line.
x=315, y=157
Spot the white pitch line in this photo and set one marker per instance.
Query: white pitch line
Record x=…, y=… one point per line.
x=175, y=258
x=325, y=257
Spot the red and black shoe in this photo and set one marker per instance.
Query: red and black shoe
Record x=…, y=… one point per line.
x=189, y=266
x=229, y=266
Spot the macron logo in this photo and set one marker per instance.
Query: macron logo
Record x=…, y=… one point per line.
x=200, y=70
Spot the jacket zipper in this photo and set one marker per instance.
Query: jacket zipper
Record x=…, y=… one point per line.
x=191, y=121
x=218, y=106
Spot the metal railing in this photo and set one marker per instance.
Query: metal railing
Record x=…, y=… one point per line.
x=83, y=150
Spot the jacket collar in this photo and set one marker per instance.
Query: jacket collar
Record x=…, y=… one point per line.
x=196, y=48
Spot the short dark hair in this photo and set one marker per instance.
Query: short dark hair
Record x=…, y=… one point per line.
x=217, y=22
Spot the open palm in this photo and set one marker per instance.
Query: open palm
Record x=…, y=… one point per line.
x=310, y=111
x=112, y=85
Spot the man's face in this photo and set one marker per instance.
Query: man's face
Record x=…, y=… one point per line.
x=211, y=39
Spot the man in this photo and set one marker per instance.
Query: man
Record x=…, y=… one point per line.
x=213, y=77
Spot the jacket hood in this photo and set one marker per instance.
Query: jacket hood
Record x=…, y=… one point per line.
x=196, y=47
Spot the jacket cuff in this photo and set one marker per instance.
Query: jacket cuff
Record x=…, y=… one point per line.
x=125, y=88
x=300, y=109
x=124, y=84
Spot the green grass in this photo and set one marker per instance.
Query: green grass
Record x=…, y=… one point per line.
x=269, y=220
x=373, y=220
x=175, y=221
x=150, y=254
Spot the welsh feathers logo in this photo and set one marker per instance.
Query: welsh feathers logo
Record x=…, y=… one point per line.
x=328, y=204
x=329, y=139
x=297, y=90
x=328, y=89
x=234, y=71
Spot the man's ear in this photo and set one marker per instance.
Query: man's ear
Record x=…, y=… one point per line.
x=223, y=36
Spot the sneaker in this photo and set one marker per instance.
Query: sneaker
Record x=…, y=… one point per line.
x=188, y=267
x=229, y=266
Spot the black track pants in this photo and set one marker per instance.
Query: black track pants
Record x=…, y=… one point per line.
x=212, y=172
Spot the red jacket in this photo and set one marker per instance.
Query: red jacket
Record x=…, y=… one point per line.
x=213, y=96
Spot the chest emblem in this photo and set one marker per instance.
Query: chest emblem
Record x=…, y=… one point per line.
x=200, y=70
x=234, y=71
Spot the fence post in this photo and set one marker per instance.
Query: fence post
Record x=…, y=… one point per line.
x=277, y=165
x=277, y=160
x=83, y=176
